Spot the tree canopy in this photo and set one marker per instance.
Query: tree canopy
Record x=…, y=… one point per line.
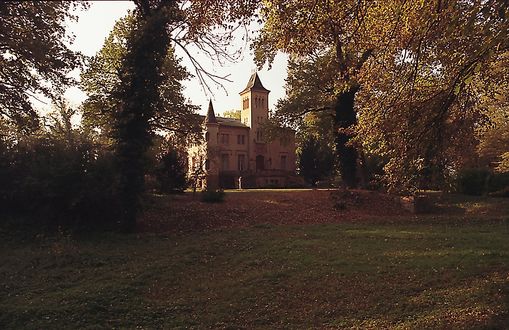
x=172, y=114
x=402, y=76
x=235, y=114
x=341, y=37
x=34, y=56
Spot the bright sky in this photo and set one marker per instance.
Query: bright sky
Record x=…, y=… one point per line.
x=95, y=24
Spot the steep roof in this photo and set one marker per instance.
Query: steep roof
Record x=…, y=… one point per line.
x=223, y=121
x=211, y=116
x=230, y=122
x=254, y=83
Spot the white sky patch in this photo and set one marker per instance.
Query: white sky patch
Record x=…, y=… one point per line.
x=96, y=23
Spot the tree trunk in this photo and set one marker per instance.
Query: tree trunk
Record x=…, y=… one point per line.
x=138, y=94
x=363, y=171
x=345, y=119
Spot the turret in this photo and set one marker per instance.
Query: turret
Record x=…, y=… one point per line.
x=212, y=147
x=255, y=111
x=254, y=102
x=211, y=116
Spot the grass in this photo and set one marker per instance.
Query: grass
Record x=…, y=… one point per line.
x=429, y=274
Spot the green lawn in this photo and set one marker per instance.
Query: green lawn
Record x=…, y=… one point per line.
x=433, y=274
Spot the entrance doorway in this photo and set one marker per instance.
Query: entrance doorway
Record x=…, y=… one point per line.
x=260, y=163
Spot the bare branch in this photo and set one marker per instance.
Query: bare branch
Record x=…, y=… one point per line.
x=201, y=72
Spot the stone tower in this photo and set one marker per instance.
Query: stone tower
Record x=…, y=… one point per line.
x=255, y=111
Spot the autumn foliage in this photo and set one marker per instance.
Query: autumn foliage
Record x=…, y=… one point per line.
x=417, y=87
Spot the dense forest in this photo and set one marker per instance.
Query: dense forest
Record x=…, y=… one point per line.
x=399, y=96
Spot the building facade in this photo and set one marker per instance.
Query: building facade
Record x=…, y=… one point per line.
x=236, y=152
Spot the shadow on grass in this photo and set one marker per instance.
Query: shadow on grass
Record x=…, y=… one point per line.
x=501, y=321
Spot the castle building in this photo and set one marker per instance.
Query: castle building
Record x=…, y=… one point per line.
x=236, y=152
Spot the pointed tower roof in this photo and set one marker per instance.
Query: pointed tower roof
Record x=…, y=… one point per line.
x=254, y=83
x=211, y=116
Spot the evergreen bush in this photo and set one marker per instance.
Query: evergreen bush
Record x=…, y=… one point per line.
x=498, y=182
x=54, y=184
x=170, y=172
x=473, y=181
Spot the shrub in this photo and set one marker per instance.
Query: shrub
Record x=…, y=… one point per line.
x=212, y=196
x=170, y=172
x=472, y=181
x=478, y=181
x=316, y=160
x=55, y=184
x=498, y=182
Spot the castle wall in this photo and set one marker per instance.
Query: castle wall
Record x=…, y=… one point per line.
x=282, y=152
x=233, y=145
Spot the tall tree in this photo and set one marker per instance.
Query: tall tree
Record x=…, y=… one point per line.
x=34, y=56
x=397, y=66
x=159, y=23
x=138, y=95
x=339, y=35
x=422, y=106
